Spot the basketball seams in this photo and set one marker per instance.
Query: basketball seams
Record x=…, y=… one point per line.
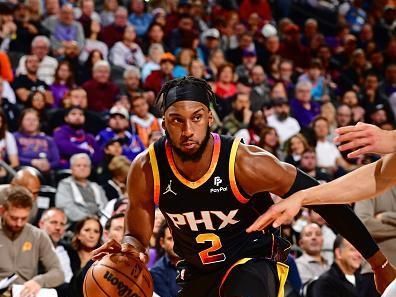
x=99, y=286
x=126, y=276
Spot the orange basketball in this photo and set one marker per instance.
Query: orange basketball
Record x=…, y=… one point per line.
x=118, y=275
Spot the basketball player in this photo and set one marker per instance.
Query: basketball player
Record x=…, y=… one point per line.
x=210, y=188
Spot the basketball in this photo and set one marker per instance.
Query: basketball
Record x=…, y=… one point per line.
x=118, y=275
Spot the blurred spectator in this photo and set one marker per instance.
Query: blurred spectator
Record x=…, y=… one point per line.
x=251, y=135
x=294, y=148
x=344, y=116
x=93, y=57
x=34, y=147
x=138, y=18
x=87, y=237
x=107, y=14
x=308, y=164
x=113, y=148
x=210, y=43
x=183, y=32
x=285, y=125
x=11, y=111
x=311, y=264
x=240, y=116
x=286, y=70
x=127, y=52
x=197, y=69
x=51, y=7
x=259, y=95
x=303, y=109
x=154, y=35
x=343, y=277
x=132, y=86
x=5, y=67
x=353, y=76
x=328, y=155
x=216, y=60
x=183, y=59
x=271, y=48
x=101, y=91
x=315, y=76
x=157, y=78
x=388, y=86
x=328, y=234
x=164, y=270
x=291, y=47
x=249, y=60
x=63, y=82
x=378, y=115
x=115, y=31
x=118, y=125
x=8, y=147
x=33, y=244
x=351, y=99
x=78, y=196
x=92, y=43
x=64, y=29
x=262, y=7
x=245, y=42
x=115, y=188
x=47, y=65
x=328, y=111
x=225, y=89
x=72, y=139
x=155, y=52
x=378, y=215
x=24, y=84
x=53, y=222
x=27, y=28
x=269, y=141
x=143, y=122
x=29, y=178
x=87, y=15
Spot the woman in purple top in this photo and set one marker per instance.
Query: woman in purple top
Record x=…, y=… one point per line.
x=63, y=82
x=34, y=147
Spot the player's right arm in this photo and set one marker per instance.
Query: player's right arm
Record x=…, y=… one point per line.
x=139, y=219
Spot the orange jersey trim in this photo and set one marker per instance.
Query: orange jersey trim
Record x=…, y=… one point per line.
x=234, y=187
x=156, y=176
x=206, y=176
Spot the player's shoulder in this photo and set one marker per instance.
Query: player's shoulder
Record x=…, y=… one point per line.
x=142, y=162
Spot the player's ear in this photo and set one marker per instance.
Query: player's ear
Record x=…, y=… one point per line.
x=210, y=118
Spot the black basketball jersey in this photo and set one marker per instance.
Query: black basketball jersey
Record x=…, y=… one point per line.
x=208, y=217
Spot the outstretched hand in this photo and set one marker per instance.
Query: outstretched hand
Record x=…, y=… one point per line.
x=365, y=138
x=112, y=246
x=278, y=214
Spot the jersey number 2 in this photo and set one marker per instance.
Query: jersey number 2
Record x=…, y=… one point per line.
x=216, y=245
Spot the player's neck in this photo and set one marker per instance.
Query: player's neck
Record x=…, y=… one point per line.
x=193, y=170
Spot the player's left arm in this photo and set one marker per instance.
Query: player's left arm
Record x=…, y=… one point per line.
x=258, y=171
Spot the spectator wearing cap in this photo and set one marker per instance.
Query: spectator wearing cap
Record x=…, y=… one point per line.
x=25, y=84
x=138, y=18
x=285, y=125
x=101, y=91
x=118, y=128
x=72, y=139
x=115, y=31
x=303, y=109
x=249, y=60
x=64, y=29
x=47, y=65
x=78, y=196
x=210, y=42
x=157, y=78
x=259, y=94
x=143, y=122
x=127, y=52
x=377, y=114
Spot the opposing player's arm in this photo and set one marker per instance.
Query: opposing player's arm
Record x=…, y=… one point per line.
x=139, y=220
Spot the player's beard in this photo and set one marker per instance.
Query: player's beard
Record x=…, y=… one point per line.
x=190, y=157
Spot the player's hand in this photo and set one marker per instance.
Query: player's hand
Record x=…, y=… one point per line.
x=131, y=250
x=30, y=289
x=109, y=247
x=365, y=138
x=278, y=213
x=383, y=277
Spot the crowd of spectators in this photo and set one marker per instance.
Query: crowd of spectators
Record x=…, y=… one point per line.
x=78, y=82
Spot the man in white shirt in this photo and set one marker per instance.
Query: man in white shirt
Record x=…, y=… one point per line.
x=285, y=125
x=53, y=222
x=47, y=66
